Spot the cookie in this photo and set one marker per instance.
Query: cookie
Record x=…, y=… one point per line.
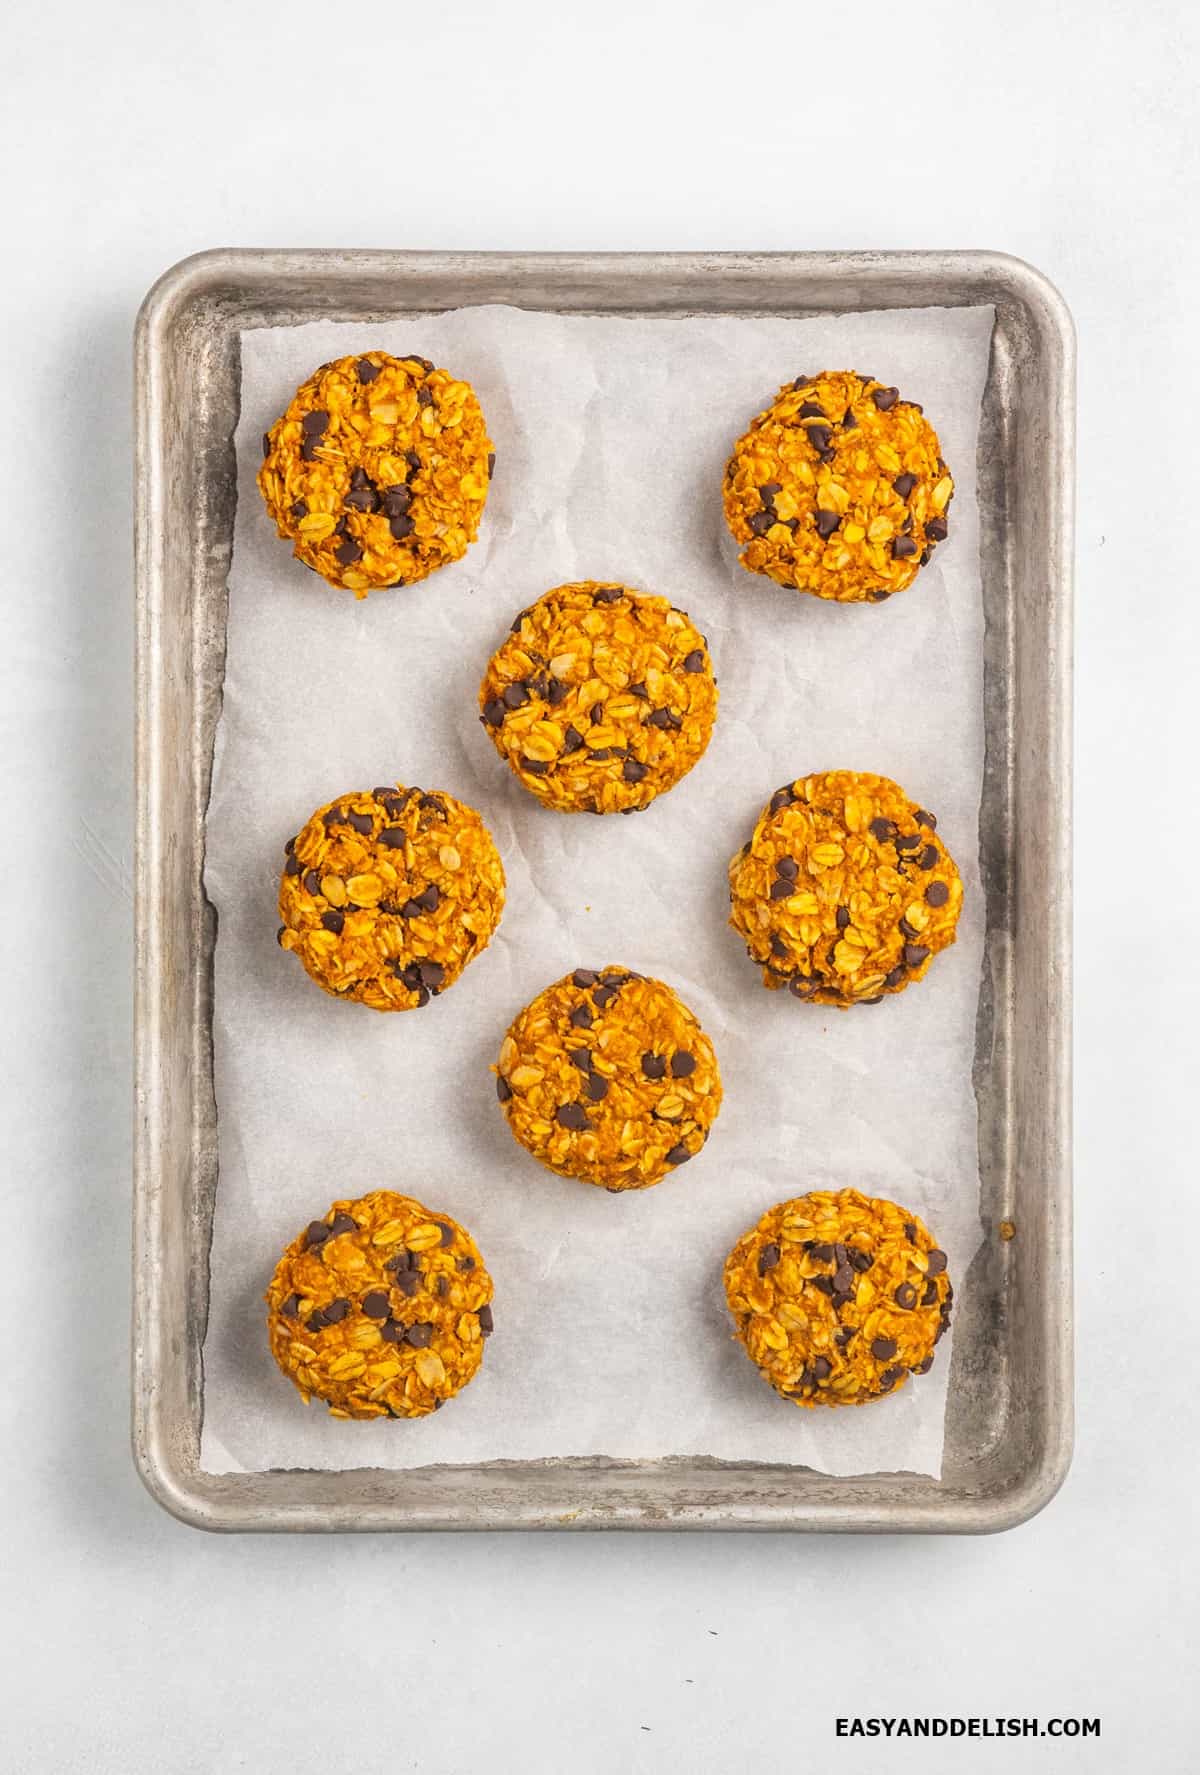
x=608, y=1077
x=838, y=488
x=378, y=471
x=845, y=892
x=388, y=893
x=600, y=698
x=838, y=1297
x=380, y=1309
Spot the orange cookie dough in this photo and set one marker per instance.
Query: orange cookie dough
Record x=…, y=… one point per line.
x=388, y=893
x=380, y=1309
x=838, y=1297
x=608, y=1077
x=838, y=488
x=378, y=472
x=600, y=698
x=845, y=892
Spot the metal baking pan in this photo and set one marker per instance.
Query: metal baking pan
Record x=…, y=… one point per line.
x=1009, y=1417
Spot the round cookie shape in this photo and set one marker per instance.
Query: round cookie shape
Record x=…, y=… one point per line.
x=388, y=893
x=845, y=892
x=838, y=1297
x=600, y=698
x=380, y=1308
x=378, y=471
x=838, y=488
x=607, y=1076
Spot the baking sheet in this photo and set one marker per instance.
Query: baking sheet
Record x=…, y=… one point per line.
x=611, y=1332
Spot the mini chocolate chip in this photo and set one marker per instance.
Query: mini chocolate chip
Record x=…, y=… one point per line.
x=885, y=398
x=572, y=1116
x=768, y=1257
x=503, y=1089
x=843, y=1335
x=420, y=1336
x=413, y=461
x=842, y=917
x=299, y=508
x=810, y=410
x=633, y=772
x=928, y=857
x=401, y=527
x=937, y=893
x=906, y=1296
x=597, y=1087
x=466, y=1263
x=654, y=1066
x=904, y=484
x=375, y=1304
x=316, y=1234
x=924, y=818
x=937, y=530
x=678, y=1155
x=936, y=1262
x=914, y=954
x=556, y=692
x=683, y=1064
x=572, y=739
x=803, y=381
x=333, y=920
x=826, y=522
x=362, y=823
x=596, y=714
x=367, y=371
x=581, y=1017
x=486, y=1322
x=291, y=1307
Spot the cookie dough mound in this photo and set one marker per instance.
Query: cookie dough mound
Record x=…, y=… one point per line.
x=838, y=1298
x=388, y=893
x=838, y=488
x=845, y=892
x=600, y=698
x=608, y=1077
x=380, y=1308
x=378, y=472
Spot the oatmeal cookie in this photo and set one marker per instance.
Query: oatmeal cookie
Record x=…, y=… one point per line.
x=838, y=488
x=380, y=1308
x=388, y=893
x=378, y=471
x=600, y=698
x=845, y=892
x=838, y=1297
x=608, y=1077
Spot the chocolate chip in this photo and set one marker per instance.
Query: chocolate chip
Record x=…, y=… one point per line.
x=822, y=1368
x=266, y=443
x=572, y=739
x=447, y=1234
x=596, y=714
x=654, y=1066
x=936, y=1262
x=768, y=490
x=914, y=954
x=316, y=1321
x=937, y=530
x=413, y=461
x=581, y=1017
x=503, y=1089
x=861, y=1260
x=367, y=371
x=822, y=1284
x=885, y=398
x=827, y=522
x=491, y=463
x=316, y=1233
x=572, y=1116
x=583, y=978
x=923, y=1367
x=362, y=499
x=466, y=1263
x=883, y=830
x=633, y=772
x=362, y=823
x=608, y=595
x=432, y=974
x=843, y=1279
x=894, y=977
x=904, y=485
x=291, y=1307
x=782, y=798
x=842, y=917
x=768, y=1257
x=822, y=1253
x=486, y=1322
x=342, y=1223
x=420, y=1336
x=678, y=1155
x=409, y=1282
x=401, y=527
x=375, y=1304
x=819, y=436
x=803, y=381
x=683, y=1064
x=928, y=857
x=603, y=997
x=908, y=841
x=842, y=1336
x=424, y=396
x=810, y=410
x=391, y=1332
x=580, y=1057
x=333, y=920
x=597, y=1087
x=348, y=552
x=760, y=522
x=555, y=692
x=782, y=888
x=903, y=546
x=514, y=696
x=336, y=1311
x=910, y=1231
x=313, y=424
x=395, y=500
x=293, y=865
x=787, y=868
x=937, y=893
x=299, y=508
x=889, y=1377
x=906, y=1296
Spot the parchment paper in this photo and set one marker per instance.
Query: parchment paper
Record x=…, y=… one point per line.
x=611, y=1331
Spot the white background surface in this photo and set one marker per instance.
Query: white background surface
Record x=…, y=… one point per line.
x=131, y=135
